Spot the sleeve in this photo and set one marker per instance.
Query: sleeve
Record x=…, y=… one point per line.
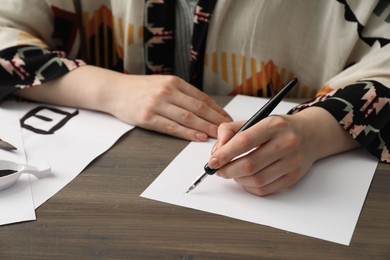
x=29, y=54
x=359, y=96
x=359, y=99
x=362, y=109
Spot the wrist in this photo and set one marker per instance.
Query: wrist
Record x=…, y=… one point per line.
x=323, y=135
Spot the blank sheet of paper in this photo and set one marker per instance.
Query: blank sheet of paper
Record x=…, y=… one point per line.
x=325, y=204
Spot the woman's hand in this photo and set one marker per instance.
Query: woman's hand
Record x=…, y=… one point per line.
x=280, y=149
x=169, y=105
x=161, y=103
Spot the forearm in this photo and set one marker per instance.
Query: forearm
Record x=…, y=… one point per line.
x=85, y=87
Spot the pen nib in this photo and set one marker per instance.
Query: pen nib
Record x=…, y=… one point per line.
x=190, y=188
x=197, y=182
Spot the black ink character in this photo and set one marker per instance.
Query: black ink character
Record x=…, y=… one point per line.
x=46, y=120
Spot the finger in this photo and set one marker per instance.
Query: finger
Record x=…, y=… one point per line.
x=241, y=143
x=263, y=158
x=226, y=131
x=188, y=119
x=167, y=126
x=215, y=146
x=272, y=134
x=200, y=108
x=249, y=164
x=266, y=175
x=192, y=91
x=278, y=185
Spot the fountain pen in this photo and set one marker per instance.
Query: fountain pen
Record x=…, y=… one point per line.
x=259, y=115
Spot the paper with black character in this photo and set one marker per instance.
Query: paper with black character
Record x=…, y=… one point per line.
x=325, y=204
x=67, y=139
x=16, y=202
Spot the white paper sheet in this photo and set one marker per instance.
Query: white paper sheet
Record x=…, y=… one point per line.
x=16, y=202
x=68, y=139
x=325, y=204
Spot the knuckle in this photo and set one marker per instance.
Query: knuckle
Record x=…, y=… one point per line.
x=224, y=126
x=187, y=117
x=290, y=142
x=205, y=98
x=243, y=141
x=277, y=123
x=258, y=182
x=293, y=141
x=146, y=116
x=248, y=167
x=171, y=128
x=165, y=90
x=201, y=108
x=152, y=103
x=148, y=112
x=172, y=81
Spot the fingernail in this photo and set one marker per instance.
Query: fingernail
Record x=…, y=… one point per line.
x=214, y=163
x=201, y=136
x=214, y=147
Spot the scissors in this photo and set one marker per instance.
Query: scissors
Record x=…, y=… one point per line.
x=10, y=171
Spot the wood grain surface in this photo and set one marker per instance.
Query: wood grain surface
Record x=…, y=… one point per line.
x=100, y=215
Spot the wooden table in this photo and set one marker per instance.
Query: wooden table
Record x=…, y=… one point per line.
x=100, y=215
